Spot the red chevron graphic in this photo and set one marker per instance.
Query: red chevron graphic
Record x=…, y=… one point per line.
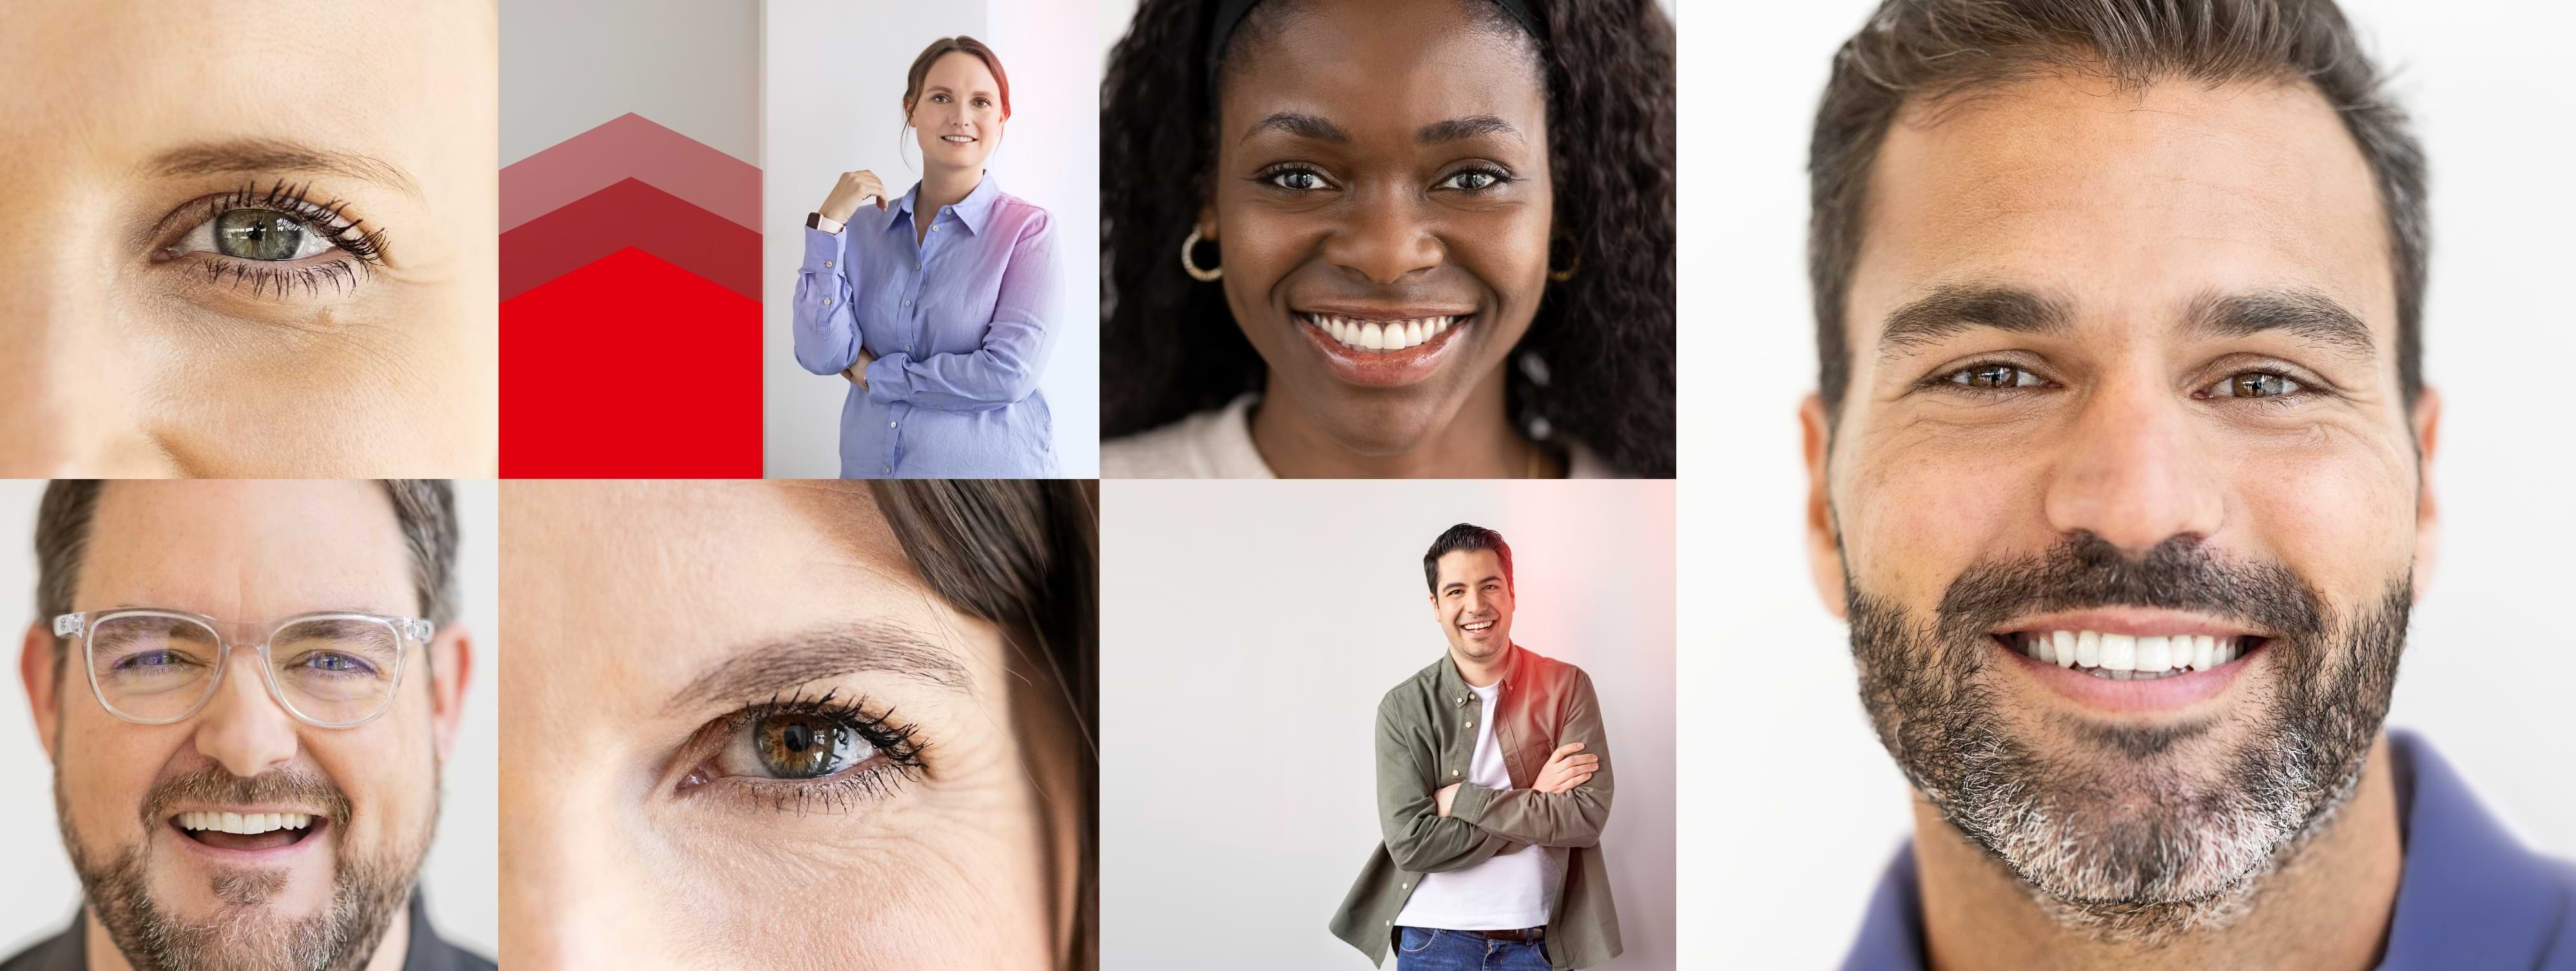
x=630, y=213
x=630, y=366
x=630, y=146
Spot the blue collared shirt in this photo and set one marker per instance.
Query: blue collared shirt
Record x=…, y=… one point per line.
x=958, y=324
x=2469, y=897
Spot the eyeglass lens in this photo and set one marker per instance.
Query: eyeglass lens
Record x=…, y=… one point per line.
x=331, y=670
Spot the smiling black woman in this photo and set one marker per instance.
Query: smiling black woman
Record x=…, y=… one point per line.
x=1414, y=239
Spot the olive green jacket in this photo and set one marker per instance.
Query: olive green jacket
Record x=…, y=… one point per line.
x=1426, y=735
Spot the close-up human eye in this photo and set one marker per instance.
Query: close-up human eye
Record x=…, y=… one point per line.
x=1295, y=178
x=825, y=753
x=2254, y=384
x=1993, y=376
x=1475, y=179
x=278, y=241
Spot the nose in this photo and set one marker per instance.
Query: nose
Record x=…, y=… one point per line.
x=242, y=727
x=1385, y=241
x=2136, y=471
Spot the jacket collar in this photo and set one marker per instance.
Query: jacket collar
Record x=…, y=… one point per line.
x=976, y=210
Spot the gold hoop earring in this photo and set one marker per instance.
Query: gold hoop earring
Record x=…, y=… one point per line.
x=1203, y=276
x=1563, y=275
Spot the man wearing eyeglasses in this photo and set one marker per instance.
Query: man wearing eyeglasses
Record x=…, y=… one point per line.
x=246, y=689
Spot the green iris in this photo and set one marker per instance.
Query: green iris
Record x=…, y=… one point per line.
x=258, y=234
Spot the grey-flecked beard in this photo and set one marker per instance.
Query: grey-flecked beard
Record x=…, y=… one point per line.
x=2071, y=829
x=243, y=935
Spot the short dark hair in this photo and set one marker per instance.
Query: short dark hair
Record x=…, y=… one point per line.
x=424, y=509
x=1464, y=536
x=1936, y=49
x=960, y=44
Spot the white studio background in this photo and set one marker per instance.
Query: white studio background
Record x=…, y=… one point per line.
x=1248, y=629
x=832, y=101
x=1798, y=806
x=41, y=894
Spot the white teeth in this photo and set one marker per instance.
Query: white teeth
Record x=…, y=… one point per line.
x=2127, y=657
x=2155, y=654
x=1380, y=335
x=2120, y=652
x=244, y=824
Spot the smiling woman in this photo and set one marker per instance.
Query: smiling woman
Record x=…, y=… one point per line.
x=875, y=703
x=257, y=260
x=1430, y=239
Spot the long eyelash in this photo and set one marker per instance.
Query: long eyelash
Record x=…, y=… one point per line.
x=898, y=744
x=329, y=218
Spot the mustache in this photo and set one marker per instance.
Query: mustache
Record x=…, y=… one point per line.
x=215, y=785
x=2086, y=571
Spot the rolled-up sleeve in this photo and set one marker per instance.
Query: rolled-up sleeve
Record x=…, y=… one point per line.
x=1005, y=369
x=827, y=333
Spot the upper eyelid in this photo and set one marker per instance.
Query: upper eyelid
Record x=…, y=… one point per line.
x=335, y=218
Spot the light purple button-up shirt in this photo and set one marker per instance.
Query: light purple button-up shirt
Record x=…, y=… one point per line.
x=958, y=323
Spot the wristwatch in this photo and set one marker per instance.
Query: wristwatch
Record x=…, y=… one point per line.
x=815, y=220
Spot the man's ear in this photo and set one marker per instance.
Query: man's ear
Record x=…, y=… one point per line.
x=1824, y=546
x=451, y=656
x=2427, y=422
x=36, y=668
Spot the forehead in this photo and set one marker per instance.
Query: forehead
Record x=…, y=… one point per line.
x=2132, y=202
x=246, y=550
x=1461, y=566
x=1403, y=62
x=637, y=587
x=140, y=77
x=958, y=70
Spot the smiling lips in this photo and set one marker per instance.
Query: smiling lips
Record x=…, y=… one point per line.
x=2123, y=657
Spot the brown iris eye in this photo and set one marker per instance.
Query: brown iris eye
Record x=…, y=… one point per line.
x=804, y=746
x=2258, y=385
x=1993, y=376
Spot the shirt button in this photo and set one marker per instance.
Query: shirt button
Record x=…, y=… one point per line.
x=916, y=266
x=1469, y=723
x=889, y=424
x=827, y=264
x=1453, y=772
x=907, y=303
x=889, y=470
x=827, y=301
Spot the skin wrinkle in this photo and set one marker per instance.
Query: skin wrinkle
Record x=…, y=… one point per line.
x=2139, y=222
x=143, y=367
x=698, y=571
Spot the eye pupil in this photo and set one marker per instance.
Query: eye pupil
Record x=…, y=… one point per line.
x=804, y=746
x=258, y=234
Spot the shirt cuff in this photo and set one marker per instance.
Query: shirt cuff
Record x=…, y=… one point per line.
x=888, y=382
x=822, y=251
x=1469, y=803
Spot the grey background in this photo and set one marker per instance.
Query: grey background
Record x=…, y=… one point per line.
x=41, y=893
x=692, y=66
x=1249, y=628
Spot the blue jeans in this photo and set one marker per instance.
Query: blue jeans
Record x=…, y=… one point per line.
x=1418, y=949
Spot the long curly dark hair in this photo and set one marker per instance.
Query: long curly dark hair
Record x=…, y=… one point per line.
x=1603, y=340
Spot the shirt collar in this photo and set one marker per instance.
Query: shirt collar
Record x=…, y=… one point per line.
x=1453, y=685
x=974, y=211
x=2470, y=895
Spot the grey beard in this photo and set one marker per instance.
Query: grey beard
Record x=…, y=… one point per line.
x=2108, y=843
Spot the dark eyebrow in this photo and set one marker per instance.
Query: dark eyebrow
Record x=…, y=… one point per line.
x=1302, y=126
x=259, y=156
x=2313, y=317
x=776, y=665
x=1459, y=129
x=1952, y=309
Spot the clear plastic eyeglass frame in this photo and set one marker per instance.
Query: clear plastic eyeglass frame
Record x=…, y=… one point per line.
x=251, y=634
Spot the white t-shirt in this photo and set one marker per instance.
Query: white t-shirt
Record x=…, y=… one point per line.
x=1508, y=891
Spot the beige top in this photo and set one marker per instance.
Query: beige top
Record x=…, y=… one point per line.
x=1218, y=445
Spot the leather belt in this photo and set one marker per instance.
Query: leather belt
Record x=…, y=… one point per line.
x=1524, y=934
